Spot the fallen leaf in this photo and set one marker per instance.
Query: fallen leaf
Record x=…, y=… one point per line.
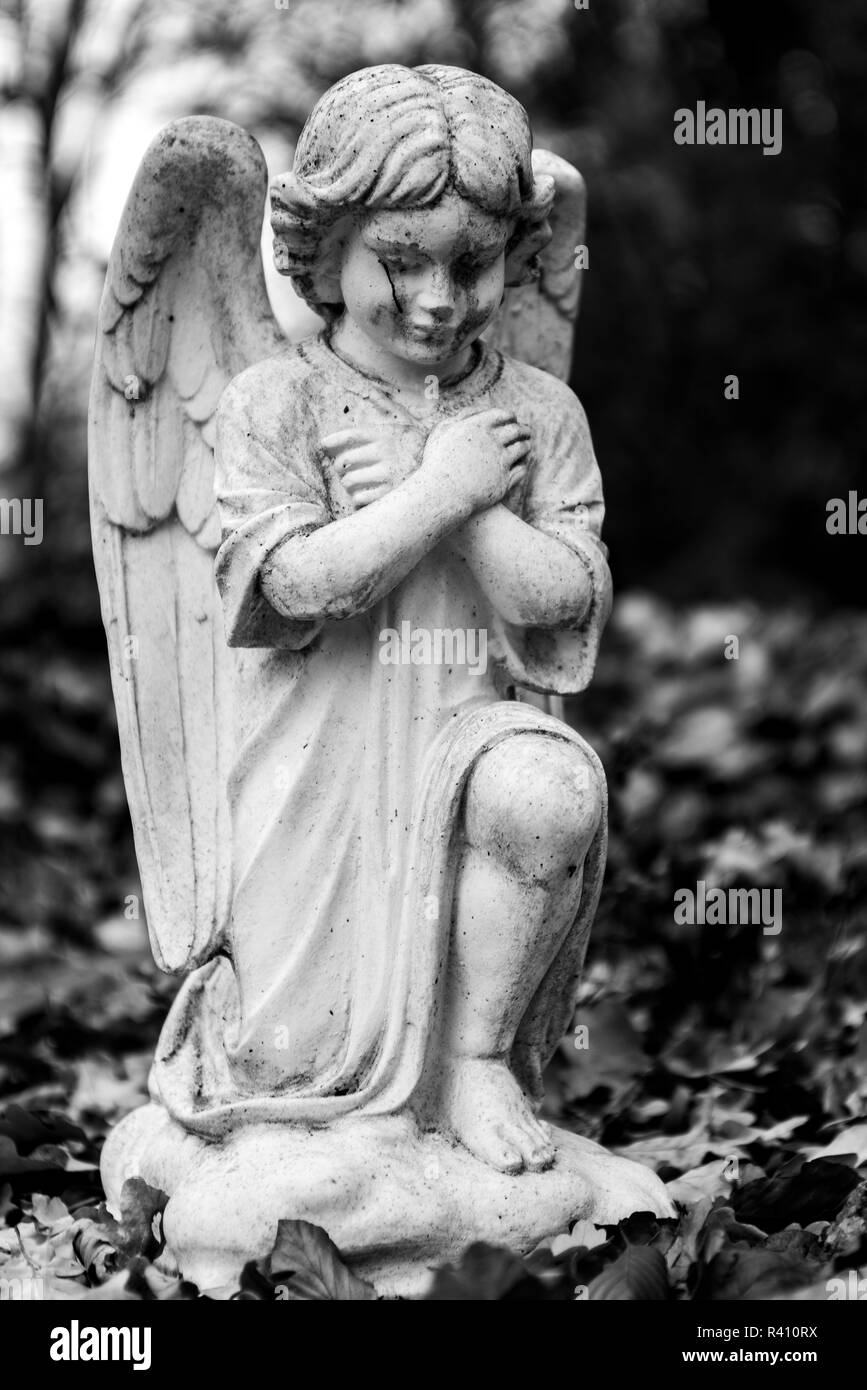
x=800, y=1192
x=640, y=1273
x=305, y=1265
x=848, y=1141
x=485, y=1273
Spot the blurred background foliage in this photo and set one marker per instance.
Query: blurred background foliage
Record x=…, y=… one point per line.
x=703, y=262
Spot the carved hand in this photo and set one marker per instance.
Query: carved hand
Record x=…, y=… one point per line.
x=479, y=457
x=367, y=460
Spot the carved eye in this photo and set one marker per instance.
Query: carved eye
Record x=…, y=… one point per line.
x=474, y=265
x=400, y=265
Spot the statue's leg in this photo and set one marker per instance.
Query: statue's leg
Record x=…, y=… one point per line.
x=531, y=809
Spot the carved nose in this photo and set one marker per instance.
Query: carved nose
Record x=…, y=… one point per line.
x=437, y=298
x=436, y=308
x=439, y=308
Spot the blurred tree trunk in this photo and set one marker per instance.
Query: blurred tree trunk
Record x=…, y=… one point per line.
x=35, y=43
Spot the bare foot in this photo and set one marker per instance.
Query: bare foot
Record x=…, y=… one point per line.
x=488, y=1112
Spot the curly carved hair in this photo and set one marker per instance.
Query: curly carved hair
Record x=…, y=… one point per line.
x=391, y=137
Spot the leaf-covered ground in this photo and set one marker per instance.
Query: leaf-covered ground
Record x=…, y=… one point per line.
x=730, y=1060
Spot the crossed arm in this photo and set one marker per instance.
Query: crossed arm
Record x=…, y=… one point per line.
x=345, y=567
x=532, y=579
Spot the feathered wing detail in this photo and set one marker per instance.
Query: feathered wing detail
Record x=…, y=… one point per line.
x=537, y=325
x=536, y=322
x=184, y=310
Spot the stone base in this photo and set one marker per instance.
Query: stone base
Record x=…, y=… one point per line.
x=396, y=1202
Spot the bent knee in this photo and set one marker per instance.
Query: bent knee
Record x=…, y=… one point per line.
x=535, y=803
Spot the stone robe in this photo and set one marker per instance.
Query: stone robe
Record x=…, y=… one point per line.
x=349, y=772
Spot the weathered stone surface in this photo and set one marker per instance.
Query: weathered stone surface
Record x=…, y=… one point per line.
x=425, y=1198
x=324, y=570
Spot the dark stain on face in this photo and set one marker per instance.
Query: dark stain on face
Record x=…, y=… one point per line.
x=475, y=318
x=478, y=309
x=465, y=274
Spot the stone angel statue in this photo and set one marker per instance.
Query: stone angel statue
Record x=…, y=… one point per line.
x=378, y=868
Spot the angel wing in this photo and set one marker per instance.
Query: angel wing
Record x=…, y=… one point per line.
x=536, y=322
x=184, y=310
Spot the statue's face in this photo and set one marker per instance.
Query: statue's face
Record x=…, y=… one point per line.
x=424, y=284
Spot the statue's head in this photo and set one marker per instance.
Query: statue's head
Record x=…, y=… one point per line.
x=411, y=204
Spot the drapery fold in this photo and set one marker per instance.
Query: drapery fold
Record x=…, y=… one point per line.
x=349, y=772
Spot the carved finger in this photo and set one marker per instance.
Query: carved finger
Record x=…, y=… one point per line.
x=364, y=456
x=346, y=439
x=493, y=415
x=507, y=434
x=373, y=475
x=365, y=496
x=517, y=451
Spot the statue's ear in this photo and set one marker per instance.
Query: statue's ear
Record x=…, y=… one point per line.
x=521, y=268
x=305, y=249
x=536, y=321
x=325, y=273
x=530, y=237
